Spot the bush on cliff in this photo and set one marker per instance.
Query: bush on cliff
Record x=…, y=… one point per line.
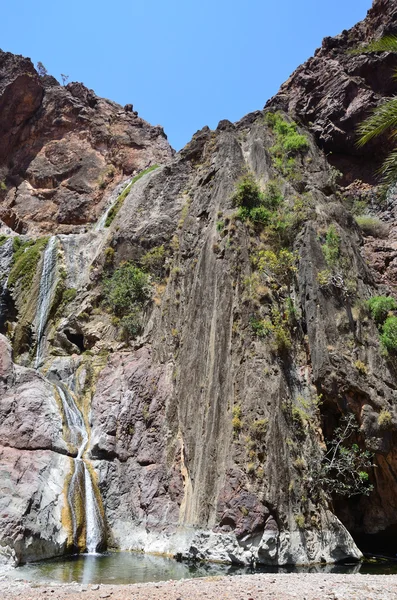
x=289, y=143
x=126, y=293
x=389, y=334
x=380, y=306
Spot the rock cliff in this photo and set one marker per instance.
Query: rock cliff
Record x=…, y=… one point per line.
x=63, y=148
x=211, y=329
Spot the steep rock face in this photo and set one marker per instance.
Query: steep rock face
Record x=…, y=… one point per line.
x=201, y=332
x=62, y=147
x=206, y=430
x=34, y=464
x=334, y=91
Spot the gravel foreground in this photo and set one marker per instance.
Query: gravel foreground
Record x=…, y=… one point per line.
x=305, y=586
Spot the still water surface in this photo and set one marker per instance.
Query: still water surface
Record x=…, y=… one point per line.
x=130, y=567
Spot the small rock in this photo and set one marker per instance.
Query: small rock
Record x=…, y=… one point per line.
x=95, y=587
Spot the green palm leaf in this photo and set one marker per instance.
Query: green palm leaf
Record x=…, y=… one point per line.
x=389, y=168
x=383, y=117
x=388, y=43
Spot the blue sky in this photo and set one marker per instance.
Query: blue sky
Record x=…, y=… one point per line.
x=182, y=64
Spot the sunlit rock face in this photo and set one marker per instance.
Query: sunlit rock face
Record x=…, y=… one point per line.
x=206, y=426
x=62, y=148
x=334, y=91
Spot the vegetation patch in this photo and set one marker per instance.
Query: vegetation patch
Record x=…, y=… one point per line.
x=331, y=248
x=153, y=261
x=126, y=293
x=278, y=327
x=371, y=226
x=281, y=263
x=3, y=239
x=343, y=469
x=119, y=202
x=259, y=429
x=266, y=211
x=236, y=420
x=380, y=306
x=388, y=337
x=254, y=204
x=289, y=143
x=26, y=258
x=381, y=309
x=385, y=420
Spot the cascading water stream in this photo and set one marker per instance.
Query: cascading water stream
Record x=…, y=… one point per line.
x=81, y=486
x=112, y=201
x=81, y=489
x=47, y=288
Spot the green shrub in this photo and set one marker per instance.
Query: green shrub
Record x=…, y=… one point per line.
x=371, y=226
x=236, y=420
x=282, y=340
x=258, y=214
x=119, y=202
x=385, y=420
x=361, y=367
x=26, y=258
x=331, y=248
x=272, y=196
x=125, y=293
x=126, y=287
x=3, y=239
x=3, y=186
x=380, y=306
x=281, y=263
x=153, y=260
x=248, y=193
x=132, y=323
x=261, y=327
x=287, y=133
x=300, y=521
x=252, y=202
x=259, y=429
x=388, y=336
x=289, y=143
x=69, y=295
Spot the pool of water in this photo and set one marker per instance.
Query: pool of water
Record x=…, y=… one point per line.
x=131, y=567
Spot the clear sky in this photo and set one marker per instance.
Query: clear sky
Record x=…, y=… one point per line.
x=182, y=64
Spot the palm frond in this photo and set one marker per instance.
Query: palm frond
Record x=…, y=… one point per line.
x=388, y=43
x=382, y=118
x=389, y=168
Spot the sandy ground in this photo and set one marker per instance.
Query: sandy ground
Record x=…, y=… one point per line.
x=305, y=586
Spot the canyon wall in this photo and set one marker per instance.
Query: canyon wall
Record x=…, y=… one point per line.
x=208, y=419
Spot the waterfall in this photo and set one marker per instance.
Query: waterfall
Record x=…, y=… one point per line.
x=93, y=517
x=112, y=201
x=46, y=292
x=81, y=489
x=83, y=503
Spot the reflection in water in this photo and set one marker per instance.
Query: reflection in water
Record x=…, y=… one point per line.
x=130, y=567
